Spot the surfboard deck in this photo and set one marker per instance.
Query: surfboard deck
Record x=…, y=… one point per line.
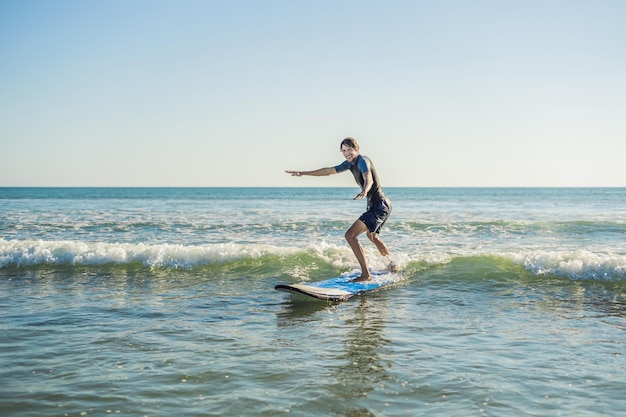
x=342, y=287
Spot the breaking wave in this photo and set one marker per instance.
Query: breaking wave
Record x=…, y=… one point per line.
x=298, y=262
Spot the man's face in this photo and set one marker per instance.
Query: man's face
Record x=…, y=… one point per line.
x=349, y=153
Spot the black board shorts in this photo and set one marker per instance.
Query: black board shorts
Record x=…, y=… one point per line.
x=376, y=216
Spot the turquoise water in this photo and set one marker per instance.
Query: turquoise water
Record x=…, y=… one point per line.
x=153, y=302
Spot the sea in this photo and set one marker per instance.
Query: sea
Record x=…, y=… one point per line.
x=161, y=302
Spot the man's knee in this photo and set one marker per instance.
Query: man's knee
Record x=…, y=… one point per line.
x=355, y=230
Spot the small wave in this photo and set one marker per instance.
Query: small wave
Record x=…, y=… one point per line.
x=574, y=265
x=298, y=262
x=262, y=259
x=577, y=265
x=29, y=253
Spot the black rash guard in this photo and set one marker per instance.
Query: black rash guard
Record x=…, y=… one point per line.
x=360, y=165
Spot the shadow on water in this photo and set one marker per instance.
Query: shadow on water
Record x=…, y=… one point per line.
x=297, y=312
x=357, y=366
x=364, y=368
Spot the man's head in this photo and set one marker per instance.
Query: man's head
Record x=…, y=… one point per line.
x=350, y=149
x=349, y=142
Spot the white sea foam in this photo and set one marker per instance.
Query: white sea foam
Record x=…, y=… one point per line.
x=27, y=253
x=40, y=252
x=579, y=264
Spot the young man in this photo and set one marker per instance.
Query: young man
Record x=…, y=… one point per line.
x=378, y=205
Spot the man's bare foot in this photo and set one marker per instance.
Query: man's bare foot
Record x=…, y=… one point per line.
x=362, y=279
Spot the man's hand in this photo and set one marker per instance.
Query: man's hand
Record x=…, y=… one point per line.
x=360, y=196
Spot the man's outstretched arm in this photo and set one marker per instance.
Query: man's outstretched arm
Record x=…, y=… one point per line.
x=315, y=173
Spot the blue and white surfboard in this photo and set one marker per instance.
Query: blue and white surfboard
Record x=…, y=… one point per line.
x=342, y=287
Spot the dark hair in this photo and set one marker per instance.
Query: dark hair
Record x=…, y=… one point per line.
x=350, y=142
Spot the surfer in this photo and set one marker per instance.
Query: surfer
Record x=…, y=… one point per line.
x=378, y=205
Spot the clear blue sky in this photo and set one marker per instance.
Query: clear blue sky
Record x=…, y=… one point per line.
x=232, y=93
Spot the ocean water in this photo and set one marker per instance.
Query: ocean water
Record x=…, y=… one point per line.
x=161, y=302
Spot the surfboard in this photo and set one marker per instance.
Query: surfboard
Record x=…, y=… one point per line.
x=342, y=287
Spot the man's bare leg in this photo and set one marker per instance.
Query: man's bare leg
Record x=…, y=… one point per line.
x=352, y=235
x=382, y=248
x=380, y=245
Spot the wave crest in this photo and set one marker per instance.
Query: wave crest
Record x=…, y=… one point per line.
x=294, y=261
x=574, y=265
x=38, y=252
